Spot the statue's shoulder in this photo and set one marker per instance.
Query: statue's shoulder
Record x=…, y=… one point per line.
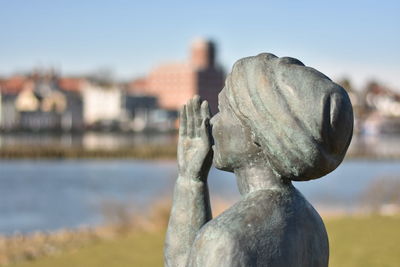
x=250, y=232
x=229, y=238
x=255, y=212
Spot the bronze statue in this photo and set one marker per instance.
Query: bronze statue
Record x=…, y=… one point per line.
x=279, y=121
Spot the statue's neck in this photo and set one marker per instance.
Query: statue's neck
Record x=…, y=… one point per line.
x=252, y=178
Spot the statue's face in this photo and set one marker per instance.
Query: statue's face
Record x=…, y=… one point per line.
x=233, y=145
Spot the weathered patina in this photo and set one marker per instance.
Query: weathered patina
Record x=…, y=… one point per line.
x=279, y=121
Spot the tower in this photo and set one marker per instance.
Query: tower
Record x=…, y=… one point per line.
x=203, y=54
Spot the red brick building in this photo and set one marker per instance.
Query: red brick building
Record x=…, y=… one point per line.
x=174, y=83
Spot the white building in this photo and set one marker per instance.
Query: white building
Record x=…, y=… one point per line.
x=101, y=103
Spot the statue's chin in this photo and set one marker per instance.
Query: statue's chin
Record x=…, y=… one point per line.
x=216, y=163
x=220, y=165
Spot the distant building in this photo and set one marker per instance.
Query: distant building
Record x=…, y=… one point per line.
x=73, y=114
x=383, y=110
x=174, y=83
x=9, y=89
x=41, y=101
x=40, y=112
x=135, y=104
x=142, y=113
x=44, y=101
x=41, y=104
x=101, y=103
x=383, y=100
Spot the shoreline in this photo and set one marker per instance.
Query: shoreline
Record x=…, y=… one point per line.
x=20, y=247
x=139, y=152
x=146, y=152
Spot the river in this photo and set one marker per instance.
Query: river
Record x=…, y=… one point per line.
x=48, y=195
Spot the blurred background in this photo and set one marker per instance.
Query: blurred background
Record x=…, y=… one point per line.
x=89, y=94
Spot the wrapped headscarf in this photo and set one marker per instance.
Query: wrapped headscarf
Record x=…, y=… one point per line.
x=302, y=121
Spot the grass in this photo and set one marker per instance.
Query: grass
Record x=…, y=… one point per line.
x=364, y=241
x=354, y=241
x=141, y=249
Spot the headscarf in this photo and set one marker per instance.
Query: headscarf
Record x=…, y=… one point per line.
x=302, y=121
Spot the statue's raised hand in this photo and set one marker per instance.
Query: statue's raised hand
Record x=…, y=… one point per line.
x=194, y=145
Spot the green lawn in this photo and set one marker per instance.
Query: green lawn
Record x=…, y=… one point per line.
x=354, y=241
x=368, y=241
x=142, y=249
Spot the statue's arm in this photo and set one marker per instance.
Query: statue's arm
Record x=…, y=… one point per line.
x=191, y=204
x=216, y=247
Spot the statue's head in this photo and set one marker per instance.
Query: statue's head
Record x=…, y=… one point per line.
x=278, y=111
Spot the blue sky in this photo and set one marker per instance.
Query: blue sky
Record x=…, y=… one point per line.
x=360, y=39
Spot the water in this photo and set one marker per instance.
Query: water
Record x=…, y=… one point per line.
x=49, y=195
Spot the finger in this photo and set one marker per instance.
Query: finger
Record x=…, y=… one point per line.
x=204, y=131
x=196, y=115
x=182, y=121
x=190, y=119
x=205, y=110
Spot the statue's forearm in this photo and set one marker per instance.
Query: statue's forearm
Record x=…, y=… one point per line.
x=190, y=211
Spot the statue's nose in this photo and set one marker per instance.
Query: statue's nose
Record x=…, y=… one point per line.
x=212, y=120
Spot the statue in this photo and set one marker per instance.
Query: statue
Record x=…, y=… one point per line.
x=279, y=121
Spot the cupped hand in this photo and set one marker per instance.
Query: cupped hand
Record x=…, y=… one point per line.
x=194, y=144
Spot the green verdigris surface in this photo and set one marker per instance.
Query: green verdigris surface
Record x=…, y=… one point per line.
x=278, y=121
